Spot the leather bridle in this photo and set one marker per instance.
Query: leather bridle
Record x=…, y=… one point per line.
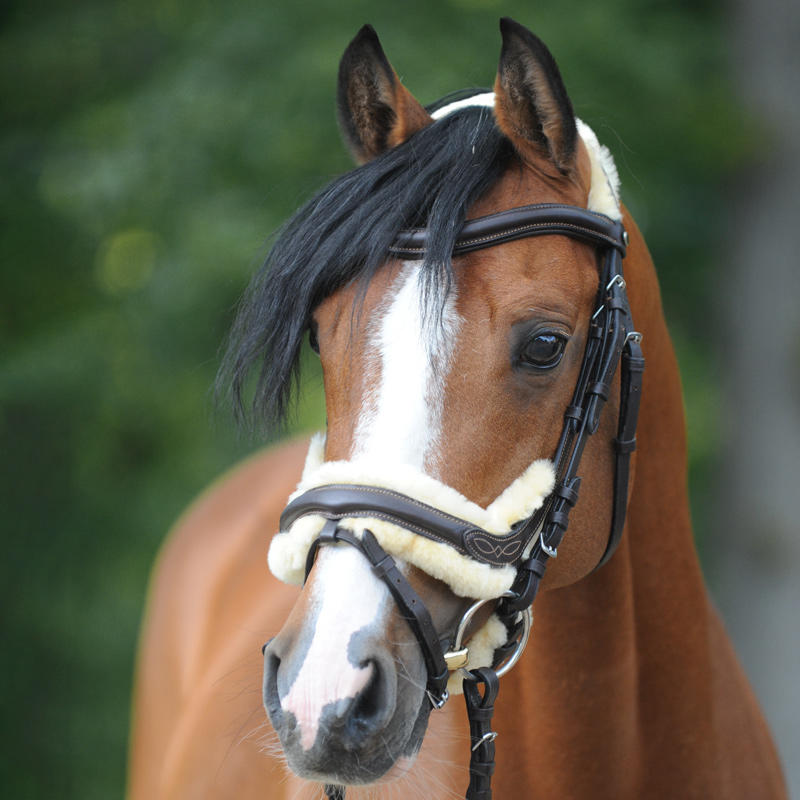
x=530, y=543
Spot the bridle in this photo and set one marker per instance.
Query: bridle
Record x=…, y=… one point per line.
x=530, y=543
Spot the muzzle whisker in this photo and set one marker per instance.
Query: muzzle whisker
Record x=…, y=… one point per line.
x=423, y=777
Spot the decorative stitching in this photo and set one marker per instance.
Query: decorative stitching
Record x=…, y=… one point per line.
x=468, y=526
x=468, y=533
x=401, y=523
x=498, y=236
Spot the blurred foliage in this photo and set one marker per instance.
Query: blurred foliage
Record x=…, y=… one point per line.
x=148, y=148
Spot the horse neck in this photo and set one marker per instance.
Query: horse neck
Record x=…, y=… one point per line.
x=609, y=653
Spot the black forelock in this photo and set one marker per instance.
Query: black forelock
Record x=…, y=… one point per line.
x=343, y=234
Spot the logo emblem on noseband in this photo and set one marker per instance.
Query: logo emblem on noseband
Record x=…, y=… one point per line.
x=491, y=551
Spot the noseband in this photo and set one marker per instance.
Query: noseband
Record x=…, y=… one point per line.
x=532, y=542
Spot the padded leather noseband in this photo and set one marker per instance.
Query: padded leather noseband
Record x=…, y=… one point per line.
x=338, y=501
x=533, y=541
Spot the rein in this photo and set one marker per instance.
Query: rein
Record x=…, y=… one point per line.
x=532, y=542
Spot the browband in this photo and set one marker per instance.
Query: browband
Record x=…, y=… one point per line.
x=519, y=223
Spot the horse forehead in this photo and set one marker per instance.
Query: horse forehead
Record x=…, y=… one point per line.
x=541, y=274
x=350, y=309
x=525, y=184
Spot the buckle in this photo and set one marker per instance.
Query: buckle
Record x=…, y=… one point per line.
x=551, y=551
x=633, y=336
x=489, y=736
x=437, y=702
x=456, y=659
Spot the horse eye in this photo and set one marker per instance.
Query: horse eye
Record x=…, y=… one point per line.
x=542, y=351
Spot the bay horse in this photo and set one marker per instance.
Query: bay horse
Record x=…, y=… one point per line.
x=454, y=286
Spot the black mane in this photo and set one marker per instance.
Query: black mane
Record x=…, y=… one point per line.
x=343, y=234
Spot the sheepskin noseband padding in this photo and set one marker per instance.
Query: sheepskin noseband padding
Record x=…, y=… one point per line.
x=465, y=576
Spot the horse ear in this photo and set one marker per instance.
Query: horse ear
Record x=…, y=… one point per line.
x=376, y=111
x=531, y=104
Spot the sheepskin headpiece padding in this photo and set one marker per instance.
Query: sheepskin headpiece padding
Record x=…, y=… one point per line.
x=604, y=191
x=465, y=576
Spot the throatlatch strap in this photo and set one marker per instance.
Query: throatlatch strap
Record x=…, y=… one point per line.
x=625, y=443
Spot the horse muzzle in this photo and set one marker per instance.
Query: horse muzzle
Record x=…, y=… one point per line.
x=355, y=733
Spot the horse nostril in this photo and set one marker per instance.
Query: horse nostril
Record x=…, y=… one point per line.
x=367, y=702
x=372, y=707
x=272, y=700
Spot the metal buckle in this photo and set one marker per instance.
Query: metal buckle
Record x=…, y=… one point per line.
x=489, y=736
x=551, y=551
x=617, y=280
x=437, y=702
x=456, y=659
x=634, y=336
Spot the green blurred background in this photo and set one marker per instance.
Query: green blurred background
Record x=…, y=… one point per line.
x=148, y=149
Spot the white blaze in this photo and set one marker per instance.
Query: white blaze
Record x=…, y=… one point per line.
x=400, y=422
x=348, y=597
x=401, y=417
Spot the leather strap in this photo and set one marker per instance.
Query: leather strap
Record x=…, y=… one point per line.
x=408, y=601
x=519, y=223
x=625, y=443
x=480, y=709
x=610, y=334
x=336, y=501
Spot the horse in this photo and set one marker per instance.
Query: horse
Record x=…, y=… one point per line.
x=454, y=286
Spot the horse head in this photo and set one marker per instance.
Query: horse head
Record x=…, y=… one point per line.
x=447, y=374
